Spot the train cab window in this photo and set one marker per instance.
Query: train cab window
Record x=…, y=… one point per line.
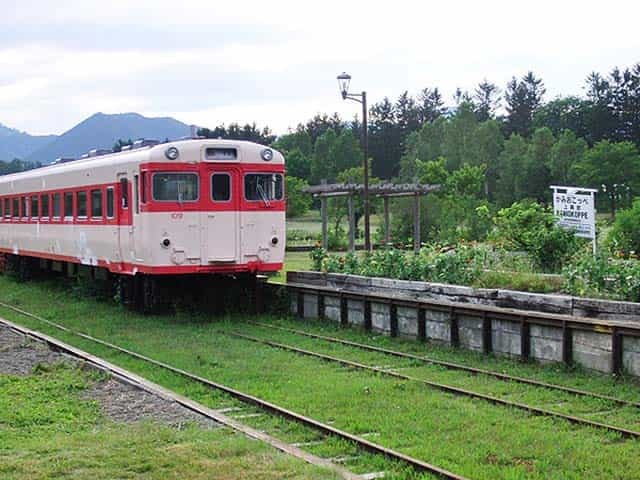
x=124, y=192
x=81, y=199
x=263, y=186
x=44, y=205
x=68, y=205
x=96, y=203
x=34, y=206
x=110, y=198
x=175, y=187
x=220, y=187
x=55, y=203
x=16, y=208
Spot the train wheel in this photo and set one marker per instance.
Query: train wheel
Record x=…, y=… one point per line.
x=146, y=293
x=125, y=291
x=25, y=269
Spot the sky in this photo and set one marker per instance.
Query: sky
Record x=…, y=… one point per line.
x=275, y=62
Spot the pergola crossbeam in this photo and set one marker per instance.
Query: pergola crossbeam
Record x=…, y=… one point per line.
x=384, y=190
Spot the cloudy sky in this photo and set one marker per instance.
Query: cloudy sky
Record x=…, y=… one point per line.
x=275, y=62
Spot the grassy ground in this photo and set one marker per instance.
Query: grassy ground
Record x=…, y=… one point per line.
x=469, y=437
x=46, y=431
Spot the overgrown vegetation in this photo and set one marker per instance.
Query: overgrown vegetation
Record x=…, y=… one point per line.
x=48, y=431
x=472, y=438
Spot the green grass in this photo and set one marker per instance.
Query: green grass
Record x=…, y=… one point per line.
x=470, y=437
x=293, y=261
x=47, y=431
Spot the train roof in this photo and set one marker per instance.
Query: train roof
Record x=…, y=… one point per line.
x=190, y=150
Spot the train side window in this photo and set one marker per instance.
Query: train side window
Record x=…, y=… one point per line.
x=34, y=206
x=16, y=206
x=81, y=199
x=110, y=199
x=96, y=203
x=44, y=205
x=55, y=201
x=23, y=206
x=220, y=187
x=124, y=192
x=68, y=205
x=7, y=207
x=136, y=193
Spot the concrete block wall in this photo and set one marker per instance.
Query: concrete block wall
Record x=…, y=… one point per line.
x=562, y=304
x=592, y=350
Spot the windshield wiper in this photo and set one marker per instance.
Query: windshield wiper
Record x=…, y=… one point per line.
x=263, y=195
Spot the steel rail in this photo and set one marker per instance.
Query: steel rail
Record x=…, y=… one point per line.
x=626, y=433
x=143, y=384
x=455, y=366
x=367, y=445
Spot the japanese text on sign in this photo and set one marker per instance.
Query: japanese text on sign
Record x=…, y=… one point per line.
x=575, y=211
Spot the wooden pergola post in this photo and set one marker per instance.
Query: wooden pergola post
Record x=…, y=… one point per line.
x=387, y=227
x=416, y=223
x=384, y=190
x=352, y=224
x=323, y=215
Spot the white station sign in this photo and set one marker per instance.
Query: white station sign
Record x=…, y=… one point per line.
x=575, y=209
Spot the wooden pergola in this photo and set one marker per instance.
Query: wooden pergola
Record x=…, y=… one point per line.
x=383, y=190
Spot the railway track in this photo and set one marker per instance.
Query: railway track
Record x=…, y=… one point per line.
x=366, y=445
x=454, y=366
x=624, y=432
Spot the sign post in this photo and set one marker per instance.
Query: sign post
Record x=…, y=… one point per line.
x=575, y=208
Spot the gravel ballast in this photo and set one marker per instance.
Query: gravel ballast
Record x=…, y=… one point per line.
x=120, y=402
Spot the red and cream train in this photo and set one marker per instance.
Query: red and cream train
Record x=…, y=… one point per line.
x=189, y=207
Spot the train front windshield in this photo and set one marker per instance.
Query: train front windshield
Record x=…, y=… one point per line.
x=263, y=186
x=175, y=187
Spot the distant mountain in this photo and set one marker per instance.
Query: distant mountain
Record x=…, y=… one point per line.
x=17, y=144
x=103, y=130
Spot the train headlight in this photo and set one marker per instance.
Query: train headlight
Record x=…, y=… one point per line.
x=172, y=153
x=166, y=242
x=267, y=154
x=274, y=241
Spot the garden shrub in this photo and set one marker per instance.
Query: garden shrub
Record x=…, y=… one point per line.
x=625, y=234
x=529, y=227
x=602, y=276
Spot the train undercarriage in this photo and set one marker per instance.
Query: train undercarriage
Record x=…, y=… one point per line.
x=147, y=293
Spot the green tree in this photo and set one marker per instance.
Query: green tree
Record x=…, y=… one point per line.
x=298, y=202
x=249, y=132
x=334, y=153
x=299, y=139
x=489, y=143
x=566, y=152
x=486, y=99
x=511, y=180
x=425, y=144
x=298, y=164
x=612, y=167
x=565, y=113
x=536, y=163
x=523, y=98
x=459, y=132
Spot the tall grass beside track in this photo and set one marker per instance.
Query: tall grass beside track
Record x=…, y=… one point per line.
x=467, y=436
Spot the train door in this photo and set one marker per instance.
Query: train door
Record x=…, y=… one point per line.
x=221, y=220
x=125, y=227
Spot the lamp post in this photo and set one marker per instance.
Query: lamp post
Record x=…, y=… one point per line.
x=343, y=81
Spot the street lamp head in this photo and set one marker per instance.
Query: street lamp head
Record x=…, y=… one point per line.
x=343, y=82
